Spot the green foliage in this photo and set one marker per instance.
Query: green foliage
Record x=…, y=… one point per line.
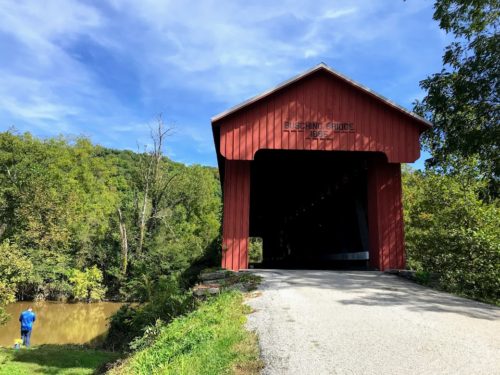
x=58, y=197
x=255, y=250
x=69, y=204
x=14, y=269
x=452, y=232
x=87, y=284
x=210, y=340
x=151, y=332
x=74, y=212
x=422, y=277
x=166, y=301
x=452, y=210
x=462, y=100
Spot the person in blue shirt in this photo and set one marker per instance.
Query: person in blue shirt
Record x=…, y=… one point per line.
x=27, y=318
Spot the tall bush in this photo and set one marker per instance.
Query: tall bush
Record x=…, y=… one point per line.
x=452, y=232
x=87, y=284
x=166, y=301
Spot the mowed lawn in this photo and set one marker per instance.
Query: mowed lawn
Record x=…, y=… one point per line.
x=53, y=359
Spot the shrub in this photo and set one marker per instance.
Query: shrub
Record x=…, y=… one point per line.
x=167, y=301
x=87, y=285
x=255, y=249
x=450, y=231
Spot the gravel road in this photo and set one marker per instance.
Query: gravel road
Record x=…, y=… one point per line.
x=334, y=322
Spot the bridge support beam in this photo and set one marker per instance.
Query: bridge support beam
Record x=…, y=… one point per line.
x=385, y=215
x=235, y=226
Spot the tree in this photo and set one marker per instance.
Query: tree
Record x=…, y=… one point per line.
x=68, y=204
x=15, y=268
x=56, y=199
x=462, y=100
x=155, y=181
x=87, y=284
x=123, y=242
x=452, y=233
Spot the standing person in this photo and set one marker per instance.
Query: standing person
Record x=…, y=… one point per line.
x=27, y=318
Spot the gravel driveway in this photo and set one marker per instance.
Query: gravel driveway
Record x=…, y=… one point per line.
x=353, y=322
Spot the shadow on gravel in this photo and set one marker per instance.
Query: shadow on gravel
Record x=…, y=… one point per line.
x=379, y=289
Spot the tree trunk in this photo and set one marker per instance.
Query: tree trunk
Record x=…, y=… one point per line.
x=123, y=242
x=142, y=222
x=3, y=228
x=153, y=178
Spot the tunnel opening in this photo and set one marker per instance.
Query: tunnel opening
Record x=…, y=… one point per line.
x=310, y=208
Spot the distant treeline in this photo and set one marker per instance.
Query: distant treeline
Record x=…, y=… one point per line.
x=82, y=221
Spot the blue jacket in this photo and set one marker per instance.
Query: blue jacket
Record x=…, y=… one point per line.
x=27, y=318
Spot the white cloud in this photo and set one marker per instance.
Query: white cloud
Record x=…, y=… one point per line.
x=41, y=83
x=234, y=49
x=336, y=13
x=102, y=67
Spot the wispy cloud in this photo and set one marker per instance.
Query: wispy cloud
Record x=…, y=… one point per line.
x=106, y=68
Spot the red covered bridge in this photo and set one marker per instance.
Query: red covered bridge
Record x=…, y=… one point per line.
x=313, y=168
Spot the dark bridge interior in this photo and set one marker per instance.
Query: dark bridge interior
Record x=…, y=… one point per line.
x=310, y=208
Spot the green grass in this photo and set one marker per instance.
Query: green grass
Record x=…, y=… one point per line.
x=210, y=340
x=53, y=359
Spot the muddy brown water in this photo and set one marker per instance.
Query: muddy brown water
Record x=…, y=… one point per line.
x=60, y=323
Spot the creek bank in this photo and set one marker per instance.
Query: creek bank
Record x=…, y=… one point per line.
x=213, y=282
x=210, y=340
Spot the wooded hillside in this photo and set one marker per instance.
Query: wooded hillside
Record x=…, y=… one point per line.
x=81, y=221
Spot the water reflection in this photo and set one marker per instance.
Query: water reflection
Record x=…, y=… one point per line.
x=60, y=323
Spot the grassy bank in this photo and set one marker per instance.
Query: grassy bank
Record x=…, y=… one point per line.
x=53, y=359
x=210, y=340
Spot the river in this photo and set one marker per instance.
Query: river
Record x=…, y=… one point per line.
x=60, y=323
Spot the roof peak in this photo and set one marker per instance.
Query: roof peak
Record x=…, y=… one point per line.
x=321, y=66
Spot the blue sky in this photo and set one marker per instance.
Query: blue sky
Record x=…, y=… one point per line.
x=105, y=69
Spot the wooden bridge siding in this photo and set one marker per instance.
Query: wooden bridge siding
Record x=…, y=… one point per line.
x=385, y=216
x=235, y=225
x=323, y=98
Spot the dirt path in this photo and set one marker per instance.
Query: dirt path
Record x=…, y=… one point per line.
x=329, y=322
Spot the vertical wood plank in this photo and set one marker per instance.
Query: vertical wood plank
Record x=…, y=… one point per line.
x=336, y=115
x=373, y=218
x=351, y=118
x=236, y=214
x=401, y=234
x=365, y=118
x=278, y=125
x=323, y=117
x=270, y=125
x=244, y=136
x=246, y=215
x=227, y=222
x=286, y=117
x=300, y=117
